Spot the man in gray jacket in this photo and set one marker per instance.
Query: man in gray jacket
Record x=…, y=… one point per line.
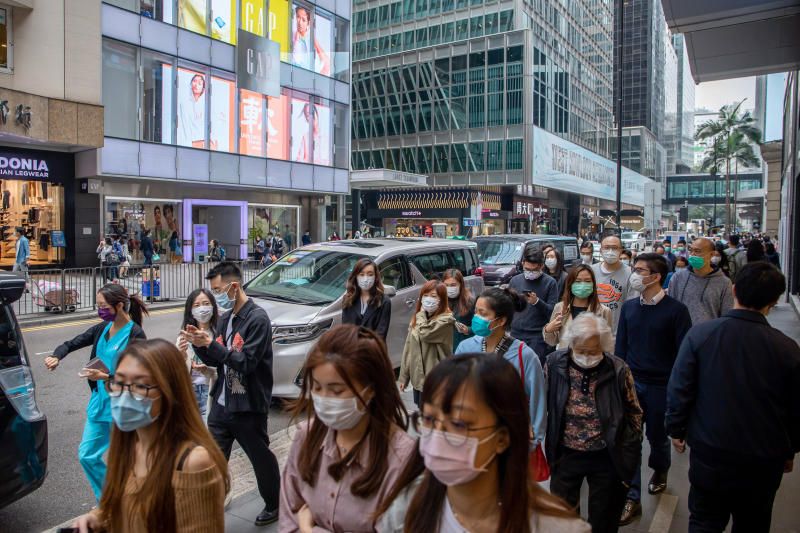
x=703, y=287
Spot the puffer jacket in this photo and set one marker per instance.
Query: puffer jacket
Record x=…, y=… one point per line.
x=617, y=406
x=427, y=343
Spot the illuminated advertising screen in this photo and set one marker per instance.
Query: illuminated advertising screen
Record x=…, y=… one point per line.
x=223, y=20
x=253, y=17
x=251, y=123
x=323, y=37
x=192, y=15
x=322, y=135
x=277, y=127
x=192, y=93
x=301, y=130
x=166, y=103
x=223, y=96
x=302, y=47
x=279, y=25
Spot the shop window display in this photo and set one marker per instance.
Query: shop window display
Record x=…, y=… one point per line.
x=282, y=220
x=132, y=217
x=437, y=229
x=38, y=208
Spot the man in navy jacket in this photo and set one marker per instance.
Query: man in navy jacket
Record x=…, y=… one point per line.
x=734, y=397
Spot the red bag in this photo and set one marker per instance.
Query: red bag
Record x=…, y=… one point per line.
x=538, y=468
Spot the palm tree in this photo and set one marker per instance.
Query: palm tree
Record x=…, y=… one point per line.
x=731, y=133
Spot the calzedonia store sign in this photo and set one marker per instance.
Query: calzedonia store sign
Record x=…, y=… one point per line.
x=36, y=165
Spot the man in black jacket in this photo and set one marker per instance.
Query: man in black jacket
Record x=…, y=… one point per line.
x=734, y=397
x=242, y=355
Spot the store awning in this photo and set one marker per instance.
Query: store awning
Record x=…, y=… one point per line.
x=736, y=38
x=384, y=178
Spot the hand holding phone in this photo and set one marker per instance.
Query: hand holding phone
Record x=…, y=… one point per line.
x=95, y=364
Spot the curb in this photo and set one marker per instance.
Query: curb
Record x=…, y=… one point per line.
x=46, y=320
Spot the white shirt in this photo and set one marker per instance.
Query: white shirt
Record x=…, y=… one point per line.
x=657, y=298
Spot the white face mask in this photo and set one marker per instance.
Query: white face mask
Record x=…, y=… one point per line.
x=587, y=259
x=637, y=282
x=453, y=292
x=337, y=413
x=680, y=269
x=586, y=361
x=202, y=313
x=715, y=260
x=430, y=303
x=532, y=275
x=365, y=283
x=551, y=263
x=610, y=256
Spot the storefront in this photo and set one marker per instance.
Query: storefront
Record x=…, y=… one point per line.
x=530, y=215
x=494, y=222
x=433, y=223
x=36, y=189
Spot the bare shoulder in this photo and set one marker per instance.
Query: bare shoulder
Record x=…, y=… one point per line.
x=198, y=459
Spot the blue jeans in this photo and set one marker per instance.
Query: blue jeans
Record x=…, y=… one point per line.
x=653, y=401
x=201, y=395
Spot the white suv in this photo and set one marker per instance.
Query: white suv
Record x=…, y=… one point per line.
x=634, y=241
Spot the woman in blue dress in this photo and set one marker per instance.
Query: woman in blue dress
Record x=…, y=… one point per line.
x=122, y=322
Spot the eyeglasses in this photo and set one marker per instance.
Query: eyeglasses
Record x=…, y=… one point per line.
x=641, y=271
x=455, y=431
x=139, y=391
x=222, y=291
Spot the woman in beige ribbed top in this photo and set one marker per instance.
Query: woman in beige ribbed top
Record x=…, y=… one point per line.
x=165, y=473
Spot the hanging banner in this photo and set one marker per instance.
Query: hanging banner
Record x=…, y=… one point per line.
x=258, y=64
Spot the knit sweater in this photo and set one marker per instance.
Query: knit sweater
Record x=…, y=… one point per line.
x=707, y=297
x=649, y=337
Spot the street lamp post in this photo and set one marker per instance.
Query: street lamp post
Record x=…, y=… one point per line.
x=620, y=41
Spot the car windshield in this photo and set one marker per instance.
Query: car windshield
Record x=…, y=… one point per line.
x=495, y=252
x=306, y=276
x=630, y=236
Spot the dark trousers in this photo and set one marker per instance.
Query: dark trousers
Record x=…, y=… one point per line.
x=250, y=431
x=606, y=489
x=417, y=397
x=653, y=400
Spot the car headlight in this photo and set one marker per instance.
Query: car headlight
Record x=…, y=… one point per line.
x=295, y=334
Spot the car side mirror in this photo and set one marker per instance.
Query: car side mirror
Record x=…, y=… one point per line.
x=11, y=289
x=389, y=291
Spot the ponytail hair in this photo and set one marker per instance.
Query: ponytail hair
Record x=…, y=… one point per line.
x=115, y=294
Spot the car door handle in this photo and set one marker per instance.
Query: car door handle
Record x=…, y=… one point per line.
x=410, y=302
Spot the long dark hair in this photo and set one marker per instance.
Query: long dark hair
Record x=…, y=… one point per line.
x=115, y=294
x=556, y=273
x=464, y=300
x=755, y=251
x=359, y=355
x=188, y=318
x=567, y=297
x=497, y=382
x=178, y=424
x=353, y=291
x=505, y=303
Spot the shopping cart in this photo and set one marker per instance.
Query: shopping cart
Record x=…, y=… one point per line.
x=50, y=296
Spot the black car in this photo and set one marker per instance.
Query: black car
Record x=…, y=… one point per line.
x=499, y=254
x=23, y=427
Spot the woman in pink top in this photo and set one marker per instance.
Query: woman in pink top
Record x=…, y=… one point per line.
x=352, y=448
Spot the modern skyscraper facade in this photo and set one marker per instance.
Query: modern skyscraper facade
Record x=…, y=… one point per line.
x=460, y=90
x=684, y=158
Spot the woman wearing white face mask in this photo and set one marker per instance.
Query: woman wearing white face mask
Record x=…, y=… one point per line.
x=364, y=303
x=201, y=312
x=430, y=337
x=554, y=266
x=473, y=439
x=352, y=446
x=461, y=303
x=594, y=422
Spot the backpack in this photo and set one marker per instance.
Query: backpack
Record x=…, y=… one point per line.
x=733, y=265
x=113, y=257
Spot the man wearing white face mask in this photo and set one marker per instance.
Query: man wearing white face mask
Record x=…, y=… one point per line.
x=541, y=292
x=649, y=336
x=594, y=422
x=613, y=276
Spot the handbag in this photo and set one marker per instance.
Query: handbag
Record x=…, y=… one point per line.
x=156, y=258
x=538, y=468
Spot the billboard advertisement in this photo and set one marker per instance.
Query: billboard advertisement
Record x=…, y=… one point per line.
x=562, y=165
x=223, y=20
x=223, y=111
x=323, y=44
x=301, y=130
x=302, y=45
x=322, y=135
x=258, y=64
x=192, y=15
x=192, y=91
x=277, y=127
x=253, y=16
x=251, y=123
x=279, y=25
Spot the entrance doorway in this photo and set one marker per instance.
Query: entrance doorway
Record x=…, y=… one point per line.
x=226, y=221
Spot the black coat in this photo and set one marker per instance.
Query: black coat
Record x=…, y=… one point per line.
x=90, y=337
x=376, y=318
x=620, y=420
x=147, y=246
x=248, y=365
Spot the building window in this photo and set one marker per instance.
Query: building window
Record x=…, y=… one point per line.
x=157, y=95
x=6, y=43
x=514, y=154
x=120, y=77
x=494, y=155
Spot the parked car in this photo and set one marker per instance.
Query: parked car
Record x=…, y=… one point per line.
x=302, y=292
x=499, y=254
x=634, y=241
x=23, y=427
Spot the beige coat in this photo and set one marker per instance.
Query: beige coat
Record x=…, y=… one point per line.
x=427, y=343
x=554, y=338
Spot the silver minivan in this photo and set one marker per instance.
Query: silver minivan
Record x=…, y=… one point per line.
x=302, y=292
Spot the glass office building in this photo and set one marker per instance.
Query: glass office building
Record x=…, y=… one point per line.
x=457, y=89
x=187, y=144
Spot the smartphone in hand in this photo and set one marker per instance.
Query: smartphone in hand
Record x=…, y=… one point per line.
x=94, y=364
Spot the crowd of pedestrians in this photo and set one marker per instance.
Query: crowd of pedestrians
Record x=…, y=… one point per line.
x=558, y=375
